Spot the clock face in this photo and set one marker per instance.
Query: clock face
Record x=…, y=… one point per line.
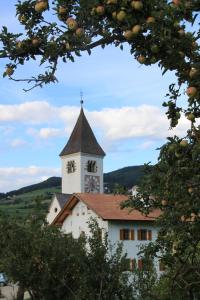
x=92, y=184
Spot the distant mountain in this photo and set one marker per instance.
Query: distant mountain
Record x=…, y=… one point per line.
x=49, y=183
x=126, y=177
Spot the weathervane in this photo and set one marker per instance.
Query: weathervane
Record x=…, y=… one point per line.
x=81, y=94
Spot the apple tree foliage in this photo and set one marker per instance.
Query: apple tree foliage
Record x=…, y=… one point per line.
x=51, y=265
x=161, y=32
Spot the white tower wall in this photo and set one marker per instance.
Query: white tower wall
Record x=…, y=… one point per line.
x=75, y=182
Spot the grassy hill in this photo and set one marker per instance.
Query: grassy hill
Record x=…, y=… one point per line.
x=22, y=201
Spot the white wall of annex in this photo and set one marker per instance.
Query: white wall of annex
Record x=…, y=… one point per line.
x=130, y=247
x=52, y=210
x=77, y=222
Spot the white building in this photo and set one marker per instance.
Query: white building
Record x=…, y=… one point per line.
x=83, y=198
x=132, y=228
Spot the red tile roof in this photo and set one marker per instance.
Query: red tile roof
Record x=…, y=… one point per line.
x=107, y=206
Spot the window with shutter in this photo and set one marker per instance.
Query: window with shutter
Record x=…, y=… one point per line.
x=132, y=234
x=140, y=264
x=144, y=235
x=132, y=264
x=121, y=234
x=149, y=235
x=139, y=235
x=161, y=266
x=126, y=234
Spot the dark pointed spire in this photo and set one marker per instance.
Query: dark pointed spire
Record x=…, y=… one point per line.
x=82, y=139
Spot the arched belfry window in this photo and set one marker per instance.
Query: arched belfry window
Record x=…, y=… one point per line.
x=71, y=167
x=92, y=166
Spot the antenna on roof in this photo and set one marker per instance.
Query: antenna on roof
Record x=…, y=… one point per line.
x=81, y=94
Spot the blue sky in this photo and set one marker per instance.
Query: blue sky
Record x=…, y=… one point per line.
x=122, y=101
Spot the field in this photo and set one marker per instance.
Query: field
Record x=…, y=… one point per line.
x=22, y=205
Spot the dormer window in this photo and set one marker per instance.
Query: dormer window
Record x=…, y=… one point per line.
x=92, y=166
x=71, y=167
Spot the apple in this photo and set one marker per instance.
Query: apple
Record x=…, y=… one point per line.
x=137, y=5
x=183, y=143
x=112, y=2
x=178, y=154
x=114, y=15
x=36, y=42
x=191, y=117
x=182, y=54
x=121, y=15
x=22, y=18
x=193, y=72
x=72, y=24
x=191, y=91
x=79, y=32
x=62, y=10
x=136, y=29
x=164, y=202
x=128, y=34
x=177, y=2
x=181, y=32
x=141, y=59
x=154, y=48
x=190, y=190
x=67, y=46
x=41, y=6
x=172, y=147
x=193, y=216
x=150, y=20
x=19, y=45
x=100, y=10
x=9, y=71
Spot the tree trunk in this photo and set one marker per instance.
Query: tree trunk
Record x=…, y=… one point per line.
x=20, y=293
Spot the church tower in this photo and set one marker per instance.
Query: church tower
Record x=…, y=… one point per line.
x=82, y=160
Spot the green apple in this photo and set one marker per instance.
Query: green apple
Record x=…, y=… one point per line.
x=121, y=16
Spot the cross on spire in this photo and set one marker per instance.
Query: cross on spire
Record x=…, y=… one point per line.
x=81, y=94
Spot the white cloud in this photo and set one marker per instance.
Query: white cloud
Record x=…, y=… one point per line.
x=146, y=145
x=28, y=112
x=134, y=122
x=115, y=123
x=17, y=143
x=45, y=133
x=15, y=177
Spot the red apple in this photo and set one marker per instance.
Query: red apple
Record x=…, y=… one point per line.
x=36, y=42
x=192, y=91
x=41, y=6
x=136, y=29
x=79, y=32
x=177, y=2
x=62, y=10
x=128, y=34
x=72, y=24
x=150, y=20
x=141, y=59
x=183, y=143
x=9, y=71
